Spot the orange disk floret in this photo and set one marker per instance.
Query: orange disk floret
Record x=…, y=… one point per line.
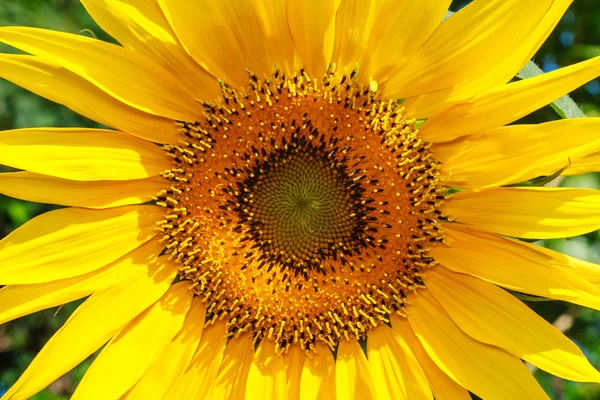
x=302, y=210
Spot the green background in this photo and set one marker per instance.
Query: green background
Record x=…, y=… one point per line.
x=576, y=38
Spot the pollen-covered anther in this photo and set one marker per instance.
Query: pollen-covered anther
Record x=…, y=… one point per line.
x=302, y=210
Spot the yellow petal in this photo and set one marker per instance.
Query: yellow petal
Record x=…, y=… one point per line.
x=508, y=103
x=82, y=154
x=19, y=300
x=400, y=28
x=515, y=265
x=318, y=375
x=223, y=37
x=312, y=24
x=266, y=378
x=585, y=270
x=499, y=73
x=442, y=386
x=395, y=370
x=71, y=241
x=99, y=194
x=353, y=22
x=467, y=45
x=174, y=359
x=129, y=354
x=487, y=371
x=294, y=364
x=528, y=212
x=242, y=17
x=590, y=163
x=492, y=159
x=352, y=377
x=491, y=315
x=128, y=76
x=273, y=15
x=199, y=378
x=141, y=26
x=60, y=85
x=233, y=372
x=97, y=320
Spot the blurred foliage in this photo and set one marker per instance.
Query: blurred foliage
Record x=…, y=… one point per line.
x=576, y=38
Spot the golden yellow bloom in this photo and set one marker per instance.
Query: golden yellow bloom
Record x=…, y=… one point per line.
x=301, y=242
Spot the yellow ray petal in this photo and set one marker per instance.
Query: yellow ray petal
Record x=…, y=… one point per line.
x=267, y=377
x=395, y=370
x=588, y=271
x=223, y=37
x=352, y=377
x=233, y=372
x=585, y=270
x=400, y=28
x=19, y=300
x=64, y=87
x=199, y=378
x=294, y=364
x=174, y=359
x=532, y=213
x=141, y=26
x=487, y=371
x=312, y=24
x=442, y=386
x=499, y=73
x=467, y=45
x=128, y=76
x=273, y=16
x=353, y=22
x=136, y=347
x=71, y=241
x=590, y=163
x=243, y=18
x=515, y=265
x=99, y=194
x=491, y=315
x=98, y=319
x=318, y=375
x=492, y=159
x=82, y=154
x=508, y=103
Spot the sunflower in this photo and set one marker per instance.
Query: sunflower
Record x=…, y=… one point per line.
x=299, y=199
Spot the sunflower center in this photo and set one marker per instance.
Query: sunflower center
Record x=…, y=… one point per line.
x=302, y=210
x=300, y=204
